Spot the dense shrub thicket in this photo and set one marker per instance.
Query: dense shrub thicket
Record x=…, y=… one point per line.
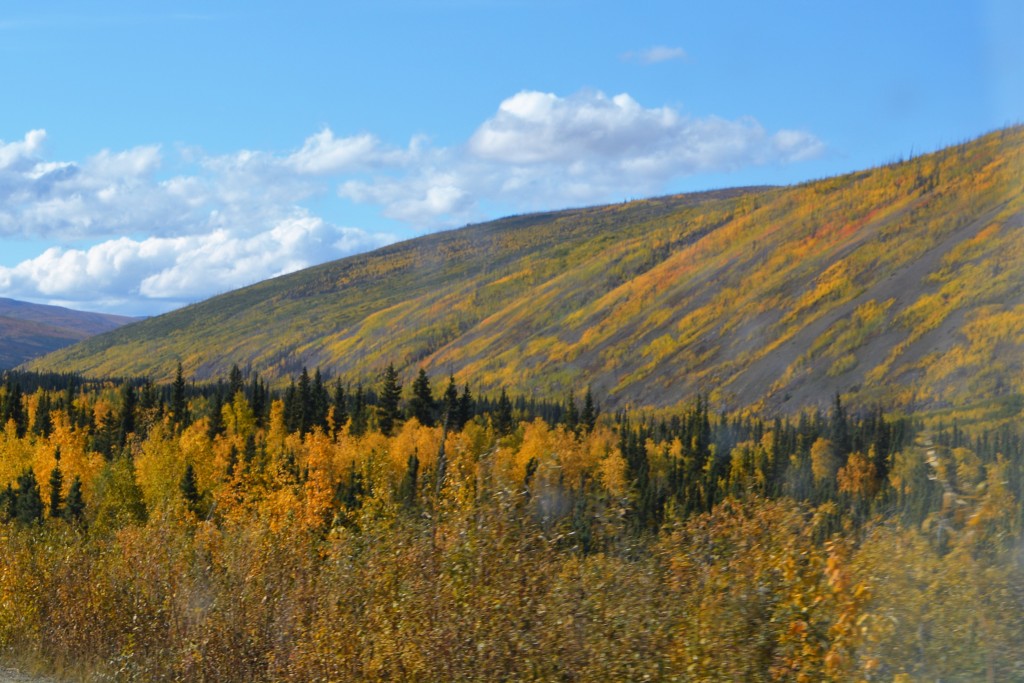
x=326, y=532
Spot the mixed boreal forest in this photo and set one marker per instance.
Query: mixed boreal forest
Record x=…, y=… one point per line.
x=411, y=529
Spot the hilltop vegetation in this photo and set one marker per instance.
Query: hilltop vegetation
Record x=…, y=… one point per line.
x=902, y=284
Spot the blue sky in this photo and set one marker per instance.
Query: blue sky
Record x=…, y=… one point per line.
x=154, y=154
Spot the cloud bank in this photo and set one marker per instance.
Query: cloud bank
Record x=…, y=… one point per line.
x=160, y=230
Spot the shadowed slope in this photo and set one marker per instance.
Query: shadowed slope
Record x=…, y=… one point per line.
x=30, y=330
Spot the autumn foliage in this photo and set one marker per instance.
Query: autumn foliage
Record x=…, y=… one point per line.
x=217, y=543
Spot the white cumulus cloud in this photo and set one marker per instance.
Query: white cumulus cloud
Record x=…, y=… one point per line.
x=153, y=229
x=160, y=273
x=541, y=150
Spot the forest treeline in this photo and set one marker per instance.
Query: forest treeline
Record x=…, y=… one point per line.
x=415, y=531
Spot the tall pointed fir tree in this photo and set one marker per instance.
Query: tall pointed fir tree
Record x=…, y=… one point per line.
x=467, y=407
x=571, y=416
x=190, y=489
x=74, y=506
x=179, y=408
x=358, y=420
x=56, y=489
x=421, y=405
x=588, y=418
x=28, y=507
x=504, y=422
x=450, y=404
x=387, y=404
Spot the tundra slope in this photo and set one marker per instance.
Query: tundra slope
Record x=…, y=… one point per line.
x=902, y=284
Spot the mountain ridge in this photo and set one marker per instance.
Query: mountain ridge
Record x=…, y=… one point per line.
x=29, y=330
x=901, y=284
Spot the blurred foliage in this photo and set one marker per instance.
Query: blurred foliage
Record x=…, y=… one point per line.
x=840, y=545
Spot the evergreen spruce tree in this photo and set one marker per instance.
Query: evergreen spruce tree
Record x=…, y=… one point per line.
x=74, y=506
x=179, y=408
x=407, y=488
x=321, y=401
x=292, y=409
x=421, y=405
x=304, y=419
x=56, y=492
x=41, y=425
x=13, y=409
x=258, y=400
x=190, y=489
x=28, y=507
x=387, y=406
x=235, y=383
x=357, y=422
x=450, y=404
x=467, y=407
x=839, y=431
x=504, y=421
x=588, y=418
x=571, y=416
x=216, y=424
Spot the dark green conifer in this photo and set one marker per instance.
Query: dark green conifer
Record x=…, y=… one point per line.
x=450, y=404
x=190, y=489
x=387, y=406
x=571, y=416
x=216, y=424
x=179, y=408
x=304, y=395
x=321, y=402
x=235, y=383
x=28, y=507
x=258, y=399
x=292, y=409
x=421, y=405
x=588, y=418
x=74, y=506
x=42, y=424
x=56, y=492
x=357, y=422
x=504, y=421
x=467, y=406
x=407, y=489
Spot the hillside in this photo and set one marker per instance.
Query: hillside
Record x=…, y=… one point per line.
x=901, y=284
x=29, y=330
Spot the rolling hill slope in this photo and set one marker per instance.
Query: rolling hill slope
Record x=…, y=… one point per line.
x=30, y=330
x=902, y=284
